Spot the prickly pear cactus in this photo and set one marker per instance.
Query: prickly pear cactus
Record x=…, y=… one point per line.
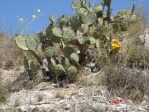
x=91, y=26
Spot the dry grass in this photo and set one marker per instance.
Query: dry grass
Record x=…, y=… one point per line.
x=83, y=79
x=138, y=27
x=126, y=82
x=24, y=82
x=4, y=93
x=39, y=97
x=59, y=95
x=17, y=103
x=9, y=53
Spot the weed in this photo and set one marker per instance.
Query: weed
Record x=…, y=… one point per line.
x=17, y=103
x=4, y=93
x=39, y=97
x=59, y=95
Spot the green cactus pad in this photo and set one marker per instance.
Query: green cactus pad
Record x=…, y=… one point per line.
x=26, y=64
x=68, y=35
x=40, y=37
x=100, y=21
x=53, y=63
x=65, y=62
x=49, y=52
x=57, y=32
x=63, y=20
x=20, y=41
x=46, y=44
x=74, y=57
x=85, y=28
x=81, y=11
x=133, y=18
x=81, y=41
x=33, y=68
x=31, y=43
x=67, y=51
x=76, y=4
x=58, y=69
x=107, y=3
x=90, y=18
x=74, y=23
x=52, y=18
x=98, y=8
x=72, y=72
x=90, y=41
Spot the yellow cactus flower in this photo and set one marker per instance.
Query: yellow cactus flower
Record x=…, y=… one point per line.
x=114, y=40
x=116, y=45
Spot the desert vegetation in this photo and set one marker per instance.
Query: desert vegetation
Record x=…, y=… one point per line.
x=74, y=48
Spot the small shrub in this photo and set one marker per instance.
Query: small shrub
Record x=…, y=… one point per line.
x=17, y=103
x=134, y=53
x=39, y=97
x=59, y=95
x=10, y=53
x=89, y=108
x=126, y=82
x=4, y=92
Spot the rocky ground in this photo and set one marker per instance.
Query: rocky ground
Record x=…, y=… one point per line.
x=47, y=97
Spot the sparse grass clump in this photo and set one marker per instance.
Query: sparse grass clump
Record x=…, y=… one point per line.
x=4, y=93
x=134, y=53
x=39, y=97
x=17, y=103
x=59, y=95
x=9, y=52
x=126, y=82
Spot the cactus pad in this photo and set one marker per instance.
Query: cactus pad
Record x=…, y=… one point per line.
x=49, y=52
x=52, y=18
x=33, y=68
x=90, y=18
x=90, y=41
x=74, y=57
x=98, y=8
x=68, y=35
x=20, y=41
x=81, y=11
x=57, y=32
x=72, y=71
x=26, y=64
x=68, y=51
x=76, y=4
x=31, y=43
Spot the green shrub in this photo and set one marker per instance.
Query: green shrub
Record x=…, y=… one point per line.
x=4, y=91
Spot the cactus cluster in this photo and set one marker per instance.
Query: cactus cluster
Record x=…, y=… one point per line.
x=87, y=28
x=123, y=19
